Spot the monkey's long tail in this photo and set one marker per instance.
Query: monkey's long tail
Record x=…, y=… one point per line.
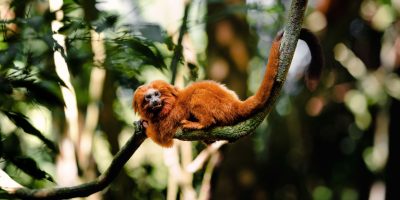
x=312, y=74
x=258, y=101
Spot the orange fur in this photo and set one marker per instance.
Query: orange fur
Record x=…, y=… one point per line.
x=200, y=105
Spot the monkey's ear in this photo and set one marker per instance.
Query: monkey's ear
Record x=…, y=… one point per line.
x=136, y=98
x=135, y=102
x=135, y=106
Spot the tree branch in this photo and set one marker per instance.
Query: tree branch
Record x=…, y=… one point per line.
x=85, y=189
x=287, y=48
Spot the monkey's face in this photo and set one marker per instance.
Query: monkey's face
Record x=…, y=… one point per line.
x=155, y=99
x=152, y=98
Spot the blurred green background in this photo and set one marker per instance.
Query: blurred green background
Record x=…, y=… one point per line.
x=68, y=70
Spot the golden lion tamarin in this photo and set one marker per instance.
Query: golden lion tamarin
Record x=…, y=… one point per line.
x=163, y=108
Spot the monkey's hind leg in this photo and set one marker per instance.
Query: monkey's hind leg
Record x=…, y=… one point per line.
x=196, y=121
x=186, y=124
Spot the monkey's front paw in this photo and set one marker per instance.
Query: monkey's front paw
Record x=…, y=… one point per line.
x=145, y=124
x=188, y=125
x=141, y=124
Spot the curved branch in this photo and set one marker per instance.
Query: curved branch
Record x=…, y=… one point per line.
x=85, y=189
x=287, y=48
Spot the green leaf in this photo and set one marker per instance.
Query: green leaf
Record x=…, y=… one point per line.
x=194, y=71
x=30, y=167
x=11, y=146
x=22, y=122
x=169, y=42
x=36, y=22
x=146, y=51
x=51, y=76
x=5, y=86
x=39, y=92
x=106, y=23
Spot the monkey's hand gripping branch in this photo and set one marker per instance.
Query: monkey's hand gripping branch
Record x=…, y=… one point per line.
x=244, y=128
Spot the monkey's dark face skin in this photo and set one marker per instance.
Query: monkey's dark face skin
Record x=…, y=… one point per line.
x=153, y=98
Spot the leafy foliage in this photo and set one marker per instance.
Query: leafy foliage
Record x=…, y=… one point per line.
x=12, y=152
x=27, y=72
x=22, y=122
x=29, y=166
x=39, y=92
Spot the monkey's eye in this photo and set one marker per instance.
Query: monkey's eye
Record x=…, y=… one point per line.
x=147, y=96
x=157, y=93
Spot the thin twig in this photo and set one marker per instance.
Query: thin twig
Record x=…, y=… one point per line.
x=201, y=159
x=178, y=49
x=206, y=183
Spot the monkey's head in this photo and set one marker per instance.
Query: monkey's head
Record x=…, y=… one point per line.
x=155, y=99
